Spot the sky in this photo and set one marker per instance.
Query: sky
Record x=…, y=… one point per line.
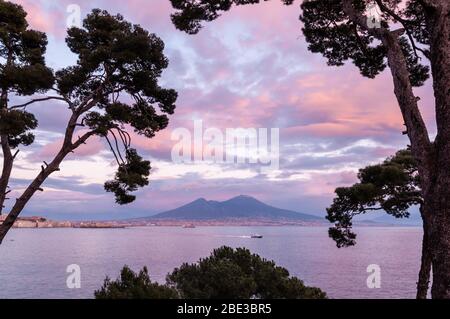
x=249, y=69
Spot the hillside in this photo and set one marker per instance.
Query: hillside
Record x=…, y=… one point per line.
x=241, y=207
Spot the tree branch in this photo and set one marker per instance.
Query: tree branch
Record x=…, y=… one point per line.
x=430, y=3
x=45, y=172
x=392, y=13
x=370, y=209
x=39, y=100
x=117, y=145
x=417, y=131
x=405, y=23
x=82, y=140
x=361, y=20
x=112, y=150
x=423, y=282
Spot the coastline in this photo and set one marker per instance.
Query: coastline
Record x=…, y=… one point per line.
x=42, y=223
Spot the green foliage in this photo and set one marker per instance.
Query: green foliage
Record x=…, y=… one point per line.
x=129, y=177
x=418, y=73
x=392, y=186
x=227, y=274
x=238, y=274
x=117, y=58
x=328, y=31
x=23, y=71
x=141, y=116
x=191, y=14
x=414, y=12
x=134, y=286
x=16, y=124
x=112, y=88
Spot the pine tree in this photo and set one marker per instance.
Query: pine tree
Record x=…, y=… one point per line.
x=406, y=37
x=112, y=88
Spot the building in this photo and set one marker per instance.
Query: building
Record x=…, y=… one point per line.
x=37, y=222
x=26, y=222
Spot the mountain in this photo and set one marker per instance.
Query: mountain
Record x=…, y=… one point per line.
x=383, y=219
x=413, y=220
x=241, y=207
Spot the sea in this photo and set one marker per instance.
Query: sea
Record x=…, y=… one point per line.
x=36, y=263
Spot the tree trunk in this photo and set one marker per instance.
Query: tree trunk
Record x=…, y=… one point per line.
x=438, y=196
x=423, y=283
x=8, y=160
x=441, y=255
x=438, y=200
x=46, y=171
x=29, y=192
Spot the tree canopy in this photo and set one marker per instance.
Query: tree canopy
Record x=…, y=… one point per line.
x=131, y=285
x=238, y=274
x=117, y=57
x=23, y=72
x=111, y=91
x=330, y=31
x=412, y=38
x=227, y=274
x=392, y=186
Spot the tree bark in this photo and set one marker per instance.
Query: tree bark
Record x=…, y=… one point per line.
x=433, y=159
x=438, y=196
x=29, y=192
x=423, y=283
x=46, y=171
x=8, y=160
x=421, y=147
x=440, y=243
x=67, y=147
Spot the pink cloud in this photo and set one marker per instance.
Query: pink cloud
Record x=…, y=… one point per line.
x=45, y=18
x=92, y=147
x=251, y=68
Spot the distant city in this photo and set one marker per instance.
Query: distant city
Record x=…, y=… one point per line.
x=242, y=210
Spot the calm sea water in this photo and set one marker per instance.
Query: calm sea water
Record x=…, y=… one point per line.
x=33, y=262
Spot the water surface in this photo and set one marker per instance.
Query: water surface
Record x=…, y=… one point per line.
x=33, y=261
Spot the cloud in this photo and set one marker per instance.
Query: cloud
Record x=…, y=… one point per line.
x=250, y=68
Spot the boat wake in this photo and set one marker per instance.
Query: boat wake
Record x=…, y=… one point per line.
x=241, y=236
